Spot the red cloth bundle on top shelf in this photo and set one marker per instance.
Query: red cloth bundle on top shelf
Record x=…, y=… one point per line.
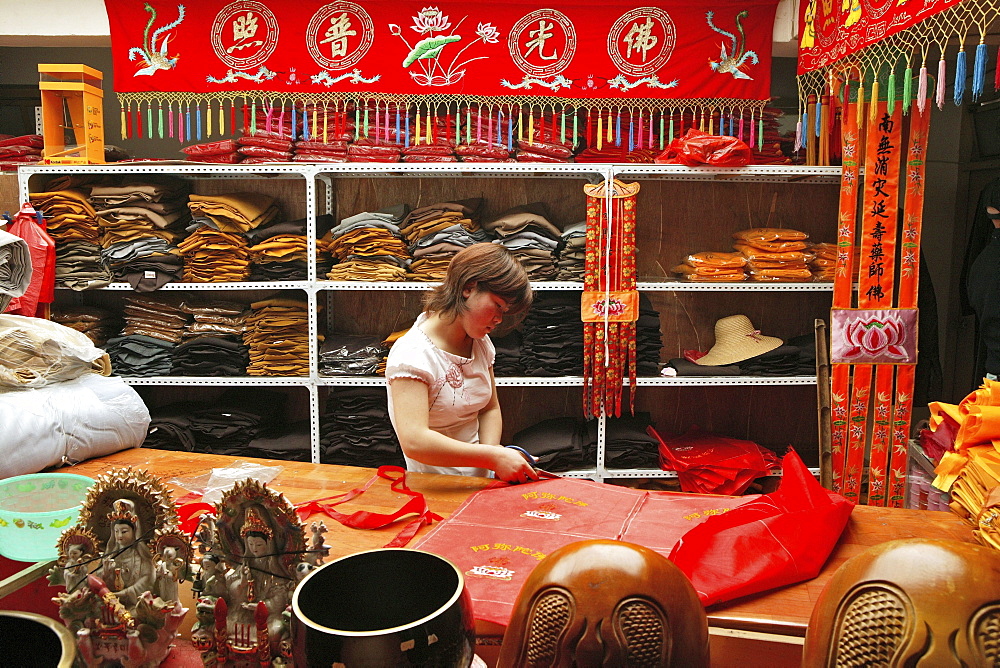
x=220, y=152
x=485, y=135
x=541, y=138
x=17, y=151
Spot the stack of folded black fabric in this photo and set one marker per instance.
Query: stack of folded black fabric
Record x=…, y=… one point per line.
x=560, y=444
x=213, y=342
x=797, y=357
x=154, y=326
x=356, y=430
x=509, y=353
x=350, y=355
x=289, y=442
x=528, y=233
x=627, y=445
x=553, y=336
x=648, y=339
x=222, y=427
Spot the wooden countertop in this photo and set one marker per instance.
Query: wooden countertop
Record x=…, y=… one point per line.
x=784, y=611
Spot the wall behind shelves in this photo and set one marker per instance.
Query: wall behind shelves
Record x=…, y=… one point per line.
x=950, y=194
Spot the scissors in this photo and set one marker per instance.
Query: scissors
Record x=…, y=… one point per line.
x=542, y=473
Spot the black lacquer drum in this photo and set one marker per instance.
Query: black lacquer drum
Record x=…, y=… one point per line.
x=386, y=607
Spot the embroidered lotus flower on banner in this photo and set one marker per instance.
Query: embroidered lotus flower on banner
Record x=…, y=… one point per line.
x=877, y=336
x=426, y=53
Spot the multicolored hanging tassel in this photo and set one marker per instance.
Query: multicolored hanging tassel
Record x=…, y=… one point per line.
x=960, y=74
x=873, y=106
x=942, y=70
x=979, y=71
x=922, y=89
x=802, y=133
x=907, y=88
x=890, y=92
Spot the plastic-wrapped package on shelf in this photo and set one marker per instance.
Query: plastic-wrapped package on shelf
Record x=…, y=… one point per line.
x=90, y=416
x=36, y=352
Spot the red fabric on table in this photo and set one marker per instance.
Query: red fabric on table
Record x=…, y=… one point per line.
x=777, y=539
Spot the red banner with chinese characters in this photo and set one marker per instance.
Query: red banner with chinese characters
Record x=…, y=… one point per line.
x=830, y=30
x=716, y=52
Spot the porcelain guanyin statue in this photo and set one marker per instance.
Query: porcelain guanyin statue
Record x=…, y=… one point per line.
x=253, y=551
x=121, y=565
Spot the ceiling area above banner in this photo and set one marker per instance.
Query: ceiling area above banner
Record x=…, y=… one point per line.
x=583, y=54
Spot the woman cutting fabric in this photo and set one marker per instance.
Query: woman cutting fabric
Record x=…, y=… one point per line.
x=442, y=394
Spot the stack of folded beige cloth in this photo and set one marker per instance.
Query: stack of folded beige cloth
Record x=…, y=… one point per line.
x=213, y=256
x=431, y=262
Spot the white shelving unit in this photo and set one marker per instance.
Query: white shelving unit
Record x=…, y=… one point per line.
x=319, y=191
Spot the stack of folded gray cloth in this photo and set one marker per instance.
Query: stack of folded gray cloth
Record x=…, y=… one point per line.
x=141, y=223
x=212, y=340
x=15, y=268
x=350, y=355
x=572, y=253
x=526, y=231
x=153, y=328
x=79, y=266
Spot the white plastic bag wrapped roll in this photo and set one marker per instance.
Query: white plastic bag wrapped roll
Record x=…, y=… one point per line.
x=35, y=352
x=90, y=416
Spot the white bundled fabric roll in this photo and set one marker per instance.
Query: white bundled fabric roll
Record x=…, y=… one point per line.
x=15, y=267
x=68, y=422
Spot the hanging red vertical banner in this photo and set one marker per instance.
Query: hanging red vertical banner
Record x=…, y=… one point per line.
x=875, y=337
x=843, y=285
x=909, y=278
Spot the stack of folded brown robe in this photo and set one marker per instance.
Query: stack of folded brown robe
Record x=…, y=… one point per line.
x=141, y=223
x=98, y=324
x=573, y=253
x=153, y=328
x=368, y=247
x=211, y=256
x=824, y=263
x=460, y=218
x=217, y=250
x=775, y=254
x=277, y=333
x=279, y=251
x=526, y=231
x=213, y=341
x=235, y=212
x=72, y=223
x=712, y=266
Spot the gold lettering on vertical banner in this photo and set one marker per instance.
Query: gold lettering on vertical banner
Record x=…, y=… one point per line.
x=876, y=282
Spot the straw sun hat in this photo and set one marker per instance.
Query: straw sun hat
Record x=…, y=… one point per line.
x=736, y=340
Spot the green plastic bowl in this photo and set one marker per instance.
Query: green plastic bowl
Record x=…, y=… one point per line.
x=34, y=511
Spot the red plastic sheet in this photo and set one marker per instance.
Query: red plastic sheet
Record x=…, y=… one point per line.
x=700, y=148
x=43, y=262
x=708, y=463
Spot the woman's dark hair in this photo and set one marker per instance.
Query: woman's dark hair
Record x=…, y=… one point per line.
x=485, y=267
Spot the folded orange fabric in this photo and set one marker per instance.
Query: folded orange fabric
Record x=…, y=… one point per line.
x=770, y=234
x=716, y=259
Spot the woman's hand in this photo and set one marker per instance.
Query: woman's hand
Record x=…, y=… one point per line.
x=511, y=466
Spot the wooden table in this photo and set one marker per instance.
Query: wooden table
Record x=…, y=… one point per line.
x=773, y=622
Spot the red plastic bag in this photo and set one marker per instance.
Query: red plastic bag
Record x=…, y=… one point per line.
x=777, y=539
x=708, y=463
x=700, y=148
x=29, y=225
